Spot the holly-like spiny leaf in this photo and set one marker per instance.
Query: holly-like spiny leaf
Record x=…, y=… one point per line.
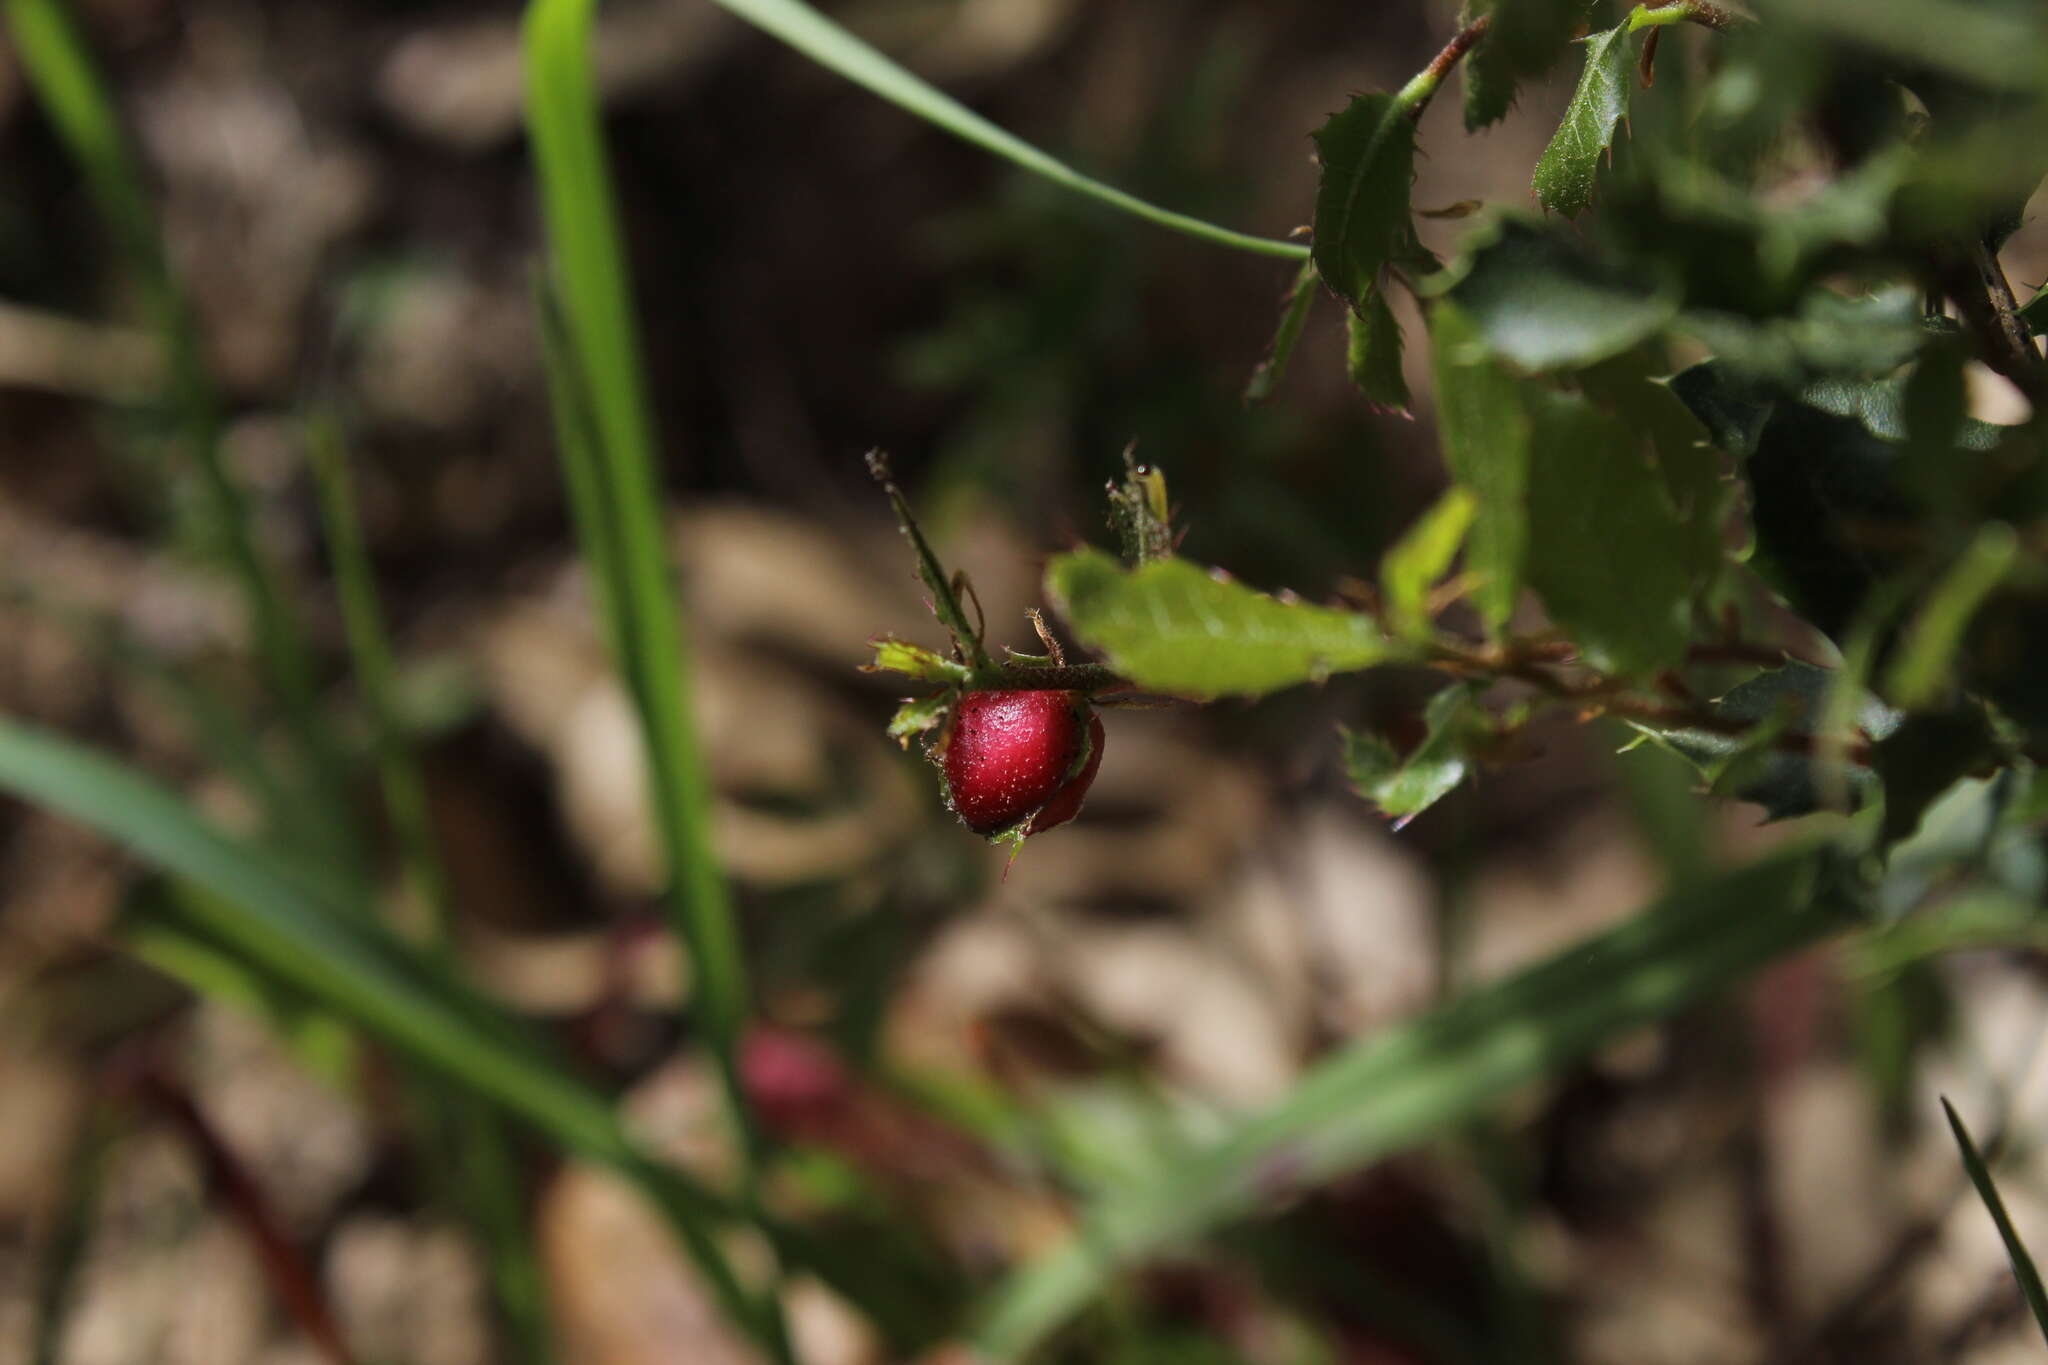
x=1373, y=353
x=1565, y=172
x=1174, y=628
x=1778, y=705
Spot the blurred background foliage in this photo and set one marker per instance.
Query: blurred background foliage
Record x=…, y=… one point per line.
x=219, y=1150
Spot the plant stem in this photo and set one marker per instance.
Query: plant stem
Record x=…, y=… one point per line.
x=1984, y=297
x=1688, y=12
x=1415, y=96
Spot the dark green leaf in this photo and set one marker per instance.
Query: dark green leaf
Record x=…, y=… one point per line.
x=1691, y=467
x=1173, y=627
x=1925, y=756
x=1987, y=1190
x=1565, y=173
x=1485, y=431
x=1830, y=336
x=1544, y=302
x=1607, y=551
x=1782, y=704
x=1524, y=39
x=1362, y=203
x=1373, y=353
x=1405, y=785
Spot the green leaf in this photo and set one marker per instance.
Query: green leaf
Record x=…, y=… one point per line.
x=1987, y=1190
x=1607, y=552
x=1363, y=222
x=914, y=661
x=1543, y=302
x=1485, y=430
x=1524, y=39
x=1402, y=1085
x=1999, y=46
x=1172, y=627
x=1565, y=172
x=917, y=716
x=1301, y=299
x=1691, y=468
x=1373, y=353
x=833, y=48
x=1830, y=336
x=1926, y=755
x=1405, y=785
x=1420, y=559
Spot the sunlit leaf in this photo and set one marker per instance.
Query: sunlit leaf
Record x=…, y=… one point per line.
x=1176, y=628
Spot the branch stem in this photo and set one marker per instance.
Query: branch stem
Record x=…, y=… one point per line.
x=1415, y=96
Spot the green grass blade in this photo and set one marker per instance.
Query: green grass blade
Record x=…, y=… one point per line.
x=587, y=265
x=279, y=923
x=61, y=72
x=610, y=462
x=2022, y=1264
x=832, y=47
x=1396, y=1089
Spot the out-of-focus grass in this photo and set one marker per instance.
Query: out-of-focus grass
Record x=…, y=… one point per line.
x=61, y=72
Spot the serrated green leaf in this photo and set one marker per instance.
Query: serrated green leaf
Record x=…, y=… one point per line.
x=1405, y=785
x=1420, y=558
x=1787, y=701
x=1485, y=431
x=1524, y=39
x=1373, y=353
x=1607, y=552
x=1544, y=302
x=917, y=716
x=1362, y=201
x=1172, y=627
x=1565, y=172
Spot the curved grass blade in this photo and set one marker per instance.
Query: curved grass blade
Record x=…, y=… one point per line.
x=832, y=47
x=285, y=926
x=2023, y=1268
x=1396, y=1089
